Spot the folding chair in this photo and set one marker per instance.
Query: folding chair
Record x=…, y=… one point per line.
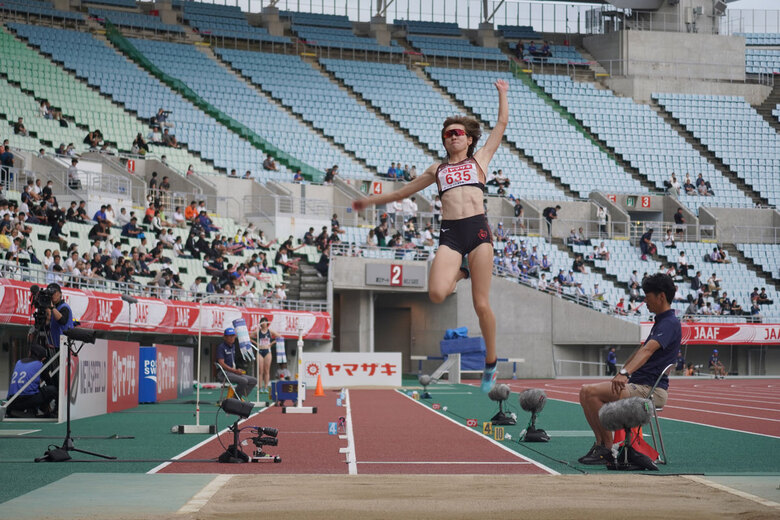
x=662, y=458
x=226, y=384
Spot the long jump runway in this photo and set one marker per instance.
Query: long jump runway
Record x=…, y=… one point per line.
x=390, y=433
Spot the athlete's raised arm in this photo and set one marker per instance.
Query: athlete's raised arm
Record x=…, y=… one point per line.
x=422, y=181
x=485, y=154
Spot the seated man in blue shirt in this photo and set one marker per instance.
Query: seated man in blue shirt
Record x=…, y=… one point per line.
x=640, y=371
x=35, y=397
x=716, y=367
x=226, y=357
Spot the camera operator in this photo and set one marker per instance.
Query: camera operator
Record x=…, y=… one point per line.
x=60, y=313
x=35, y=396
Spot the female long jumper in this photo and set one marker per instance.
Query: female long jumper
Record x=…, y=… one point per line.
x=464, y=227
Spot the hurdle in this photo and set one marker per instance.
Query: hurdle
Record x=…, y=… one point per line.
x=452, y=368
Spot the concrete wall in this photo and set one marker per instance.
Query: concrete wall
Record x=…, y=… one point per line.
x=607, y=49
x=741, y=225
x=529, y=322
x=641, y=88
x=350, y=273
x=573, y=214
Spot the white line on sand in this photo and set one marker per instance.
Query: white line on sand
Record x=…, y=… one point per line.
x=748, y=496
x=197, y=502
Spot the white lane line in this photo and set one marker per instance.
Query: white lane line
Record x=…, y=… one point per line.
x=485, y=437
x=434, y=463
x=197, y=502
x=721, y=413
x=351, y=456
x=742, y=494
x=188, y=451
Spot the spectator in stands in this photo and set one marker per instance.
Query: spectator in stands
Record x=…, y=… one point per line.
x=100, y=215
x=715, y=256
x=427, y=236
x=298, y=177
x=602, y=252
x=674, y=185
x=682, y=264
x=81, y=212
x=519, y=50
x=598, y=293
x=131, y=229
x=723, y=255
x=289, y=265
x=634, y=293
x=533, y=50
x=323, y=263
x=679, y=221
x=736, y=308
x=160, y=119
x=688, y=186
x=701, y=185
x=578, y=265
x=74, y=182
x=60, y=151
x=270, y=164
x=70, y=150
x=669, y=240
x=713, y=282
x=410, y=209
x=6, y=163
x=330, y=174
x=140, y=146
x=169, y=139
x=436, y=209
x=19, y=128
x=646, y=245
x=763, y=297
x=56, y=233
x=92, y=139
x=500, y=234
x=696, y=282
x=549, y=215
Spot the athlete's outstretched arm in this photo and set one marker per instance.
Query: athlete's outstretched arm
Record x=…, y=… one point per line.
x=427, y=178
x=485, y=154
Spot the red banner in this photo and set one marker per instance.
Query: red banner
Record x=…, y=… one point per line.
x=123, y=365
x=166, y=372
x=699, y=333
x=104, y=311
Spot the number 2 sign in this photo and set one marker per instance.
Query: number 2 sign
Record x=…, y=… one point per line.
x=396, y=275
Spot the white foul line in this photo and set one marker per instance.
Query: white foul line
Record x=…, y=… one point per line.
x=188, y=451
x=351, y=456
x=535, y=463
x=197, y=502
x=434, y=463
x=721, y=487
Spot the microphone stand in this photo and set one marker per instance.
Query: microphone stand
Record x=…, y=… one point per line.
x=62, y=454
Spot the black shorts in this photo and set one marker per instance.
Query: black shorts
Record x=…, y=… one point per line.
x=465, y=234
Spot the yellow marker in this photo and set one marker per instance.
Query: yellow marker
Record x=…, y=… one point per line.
x=487, y=428
x=498, y=433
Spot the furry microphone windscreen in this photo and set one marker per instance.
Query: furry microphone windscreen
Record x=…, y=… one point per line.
x=532, y=400
x=499, y=392
x=626, y=413
x=425, y=379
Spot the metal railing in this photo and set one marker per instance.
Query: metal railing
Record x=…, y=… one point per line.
x=568, y=367
x=40, y=275
x=677, y=70
x=415, y=253
x=741, y=21
x=756, y=234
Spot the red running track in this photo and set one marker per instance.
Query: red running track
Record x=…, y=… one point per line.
x=748, y=405
x=394, y=434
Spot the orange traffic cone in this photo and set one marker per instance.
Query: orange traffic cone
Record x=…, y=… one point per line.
x=319, y=392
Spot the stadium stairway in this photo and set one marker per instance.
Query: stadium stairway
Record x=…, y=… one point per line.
x=377, y=111
x=770, y=104
x=267, y=95
x=307, y=285
x=541, y=170
x=709, y=155
x=734, y=252
x=584, y=130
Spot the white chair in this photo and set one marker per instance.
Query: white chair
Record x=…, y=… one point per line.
x=662, y=457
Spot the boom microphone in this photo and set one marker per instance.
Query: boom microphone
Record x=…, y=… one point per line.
x=532, y=400
x=425, y=379
x=499, y=392
x=626, y=413
x=82, y=335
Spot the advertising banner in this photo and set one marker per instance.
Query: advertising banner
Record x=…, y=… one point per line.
x=345, y=369
x=148, y=375
x=185, y=371
x=700, y=333
x=104, y=311
x=167, y=356
x=123, y=363
x=89, y=381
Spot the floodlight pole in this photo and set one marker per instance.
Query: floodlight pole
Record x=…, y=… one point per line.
x=197, y=427
x=299, y=408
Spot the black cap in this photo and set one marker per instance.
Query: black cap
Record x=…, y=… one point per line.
x=54, y=287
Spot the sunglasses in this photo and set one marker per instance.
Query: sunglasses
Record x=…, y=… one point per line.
x=453, y=132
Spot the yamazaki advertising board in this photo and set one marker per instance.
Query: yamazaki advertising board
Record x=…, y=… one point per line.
x=104, y=311
x=698, y=333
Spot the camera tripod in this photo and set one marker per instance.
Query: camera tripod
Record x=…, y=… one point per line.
x=62, y=454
